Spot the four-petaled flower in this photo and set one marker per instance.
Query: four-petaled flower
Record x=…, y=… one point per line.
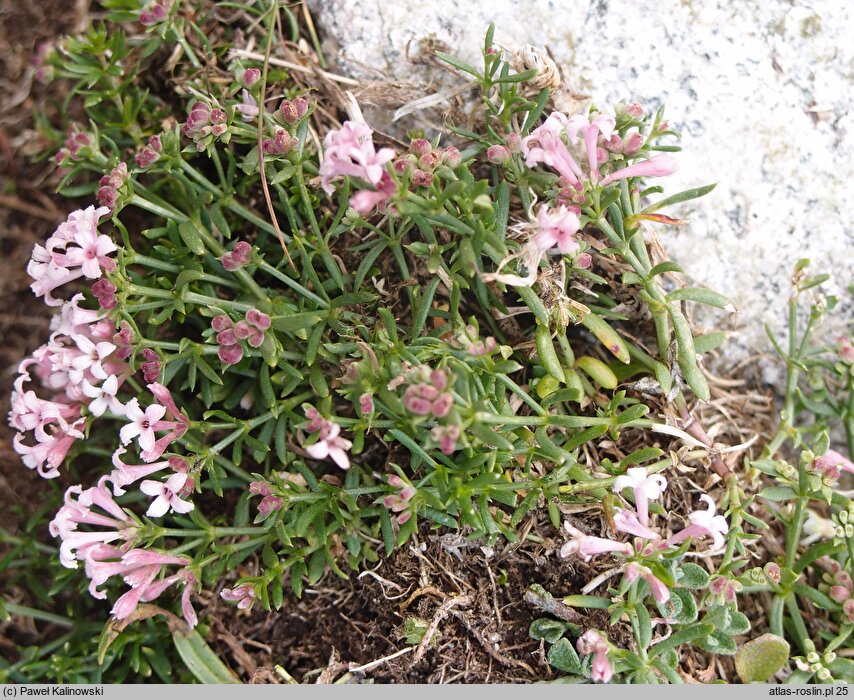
x=141, y=424
x=646, y=487
x=167, y=495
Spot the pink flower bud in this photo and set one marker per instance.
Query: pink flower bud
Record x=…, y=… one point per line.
x=258, y=319
x=452, y=157
x=584, y=261
x=634, y=109
x=632, y=143
x=242, y=330
x=839, y=593
x=227, y=337
x=442, y=406
x=514, y=142
x=420, y=146
x=270, y=503
x=366, y=403
x=221, y=322
x=260, y=488
x=498, y=154
x=250, y=77
x=429, y=161
x=230, y=354
x=421, y=178
x=772, y=571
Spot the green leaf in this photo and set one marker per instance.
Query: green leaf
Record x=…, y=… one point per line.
x=693, y=576
x=709, y=341
x=702, y=296
x=777, y=493
x=679, y=197
x=457, y=63
x=598, y=371
x=490, y=437
x=547, y=354
x=607, y=336
x=547, y=629
x=297, y=321
x=563, y=656
x=190, y=235
x=200, y=659
x=761, y=658
x=689, y=634
x=666, y=266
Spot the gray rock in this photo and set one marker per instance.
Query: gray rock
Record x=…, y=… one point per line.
x=761, y=92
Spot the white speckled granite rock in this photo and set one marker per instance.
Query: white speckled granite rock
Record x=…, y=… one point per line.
x=762, y=92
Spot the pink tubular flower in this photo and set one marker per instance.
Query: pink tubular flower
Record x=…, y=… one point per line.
x=832, y=462
x=140, y=572
x=557, y=227
x=659, y=590
x=127, y=474
x=544, y=145
x=591, y=129
x=592, y=642
x=349, y=151
x=167, y=495
x=704, y=523
x=248, y=108
x=365, y=201
x=587, y=546
x=626, y=521
x=177, y=423
x=75, y=544
x=646, y=487
x=654, y=167
x=244, y=596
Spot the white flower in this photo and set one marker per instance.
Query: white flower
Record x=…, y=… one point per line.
x=166, y=495
x=104, y=397
x=646, y=487
x=90, y=358
x=715, y=526
x=142, y=424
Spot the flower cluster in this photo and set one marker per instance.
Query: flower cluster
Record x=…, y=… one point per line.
x=237, y=257
x=230, y=335
x=648, y=543
x=400, y=502
x=147, y=155
x=75, y=250
x=205, y=124
x=112, y=186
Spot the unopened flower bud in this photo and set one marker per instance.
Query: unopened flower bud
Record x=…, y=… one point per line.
x=514, y=142
x=452, y=157
x=250, y=77
x=421, y=178
x=420, y=147
x=584, y=261
x=498, y=154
